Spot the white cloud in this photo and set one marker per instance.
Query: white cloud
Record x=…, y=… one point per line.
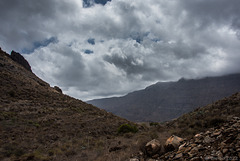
x=136, y=42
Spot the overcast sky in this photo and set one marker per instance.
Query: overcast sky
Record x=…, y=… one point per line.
x=93, y=50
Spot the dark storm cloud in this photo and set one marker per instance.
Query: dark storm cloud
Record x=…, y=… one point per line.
x=210, y=12
x=187, y=51
x=126, y=63
x=24, y=22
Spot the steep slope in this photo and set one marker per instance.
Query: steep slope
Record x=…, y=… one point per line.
x=212, y=132
x=209, y=133
x=218, y=143
x=37, y=122
x=206, y=117
x=168, y=100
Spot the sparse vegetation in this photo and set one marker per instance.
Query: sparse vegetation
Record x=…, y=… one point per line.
x=153, y=134
x=126, y=128
x=153, y=123
x=47, y=125
x=200, y=119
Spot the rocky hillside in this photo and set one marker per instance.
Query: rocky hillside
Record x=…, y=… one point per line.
x=38, y=122
x=206, y=117
x=164, y=101
x=207, y=133
x=218, y=143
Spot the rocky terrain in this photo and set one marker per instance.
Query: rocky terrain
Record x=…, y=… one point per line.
x=164, y=101
x=38, y=122
x=218, y=143
x=207, y=133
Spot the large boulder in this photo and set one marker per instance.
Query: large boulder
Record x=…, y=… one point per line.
x=153, y=147
x=173, y=143
x=20, y=60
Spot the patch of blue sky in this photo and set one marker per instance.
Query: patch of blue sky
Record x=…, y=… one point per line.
x=39, y=44
x=139, y=36
x=90, y=3
x=87, y=51
x=91, y=41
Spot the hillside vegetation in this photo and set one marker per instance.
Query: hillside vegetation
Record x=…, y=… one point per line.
x=207, y=133
x=38, y=122
x=212, y=115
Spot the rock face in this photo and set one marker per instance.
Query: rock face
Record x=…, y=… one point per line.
x=20, y=60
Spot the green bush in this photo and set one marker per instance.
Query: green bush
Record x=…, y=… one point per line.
x=153, y=124
x=126, y=128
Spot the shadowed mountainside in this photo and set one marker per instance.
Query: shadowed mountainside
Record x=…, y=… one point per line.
x=164, y=101
x=37, y=122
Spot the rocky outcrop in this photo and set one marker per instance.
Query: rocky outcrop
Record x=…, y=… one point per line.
x=20, y=60
x=154, y=148
x=57, y=89
x=221, y=143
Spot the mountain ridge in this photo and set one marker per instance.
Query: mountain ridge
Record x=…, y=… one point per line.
x=181, y=96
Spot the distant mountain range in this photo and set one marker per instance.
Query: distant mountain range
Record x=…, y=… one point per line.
x=164, y=101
